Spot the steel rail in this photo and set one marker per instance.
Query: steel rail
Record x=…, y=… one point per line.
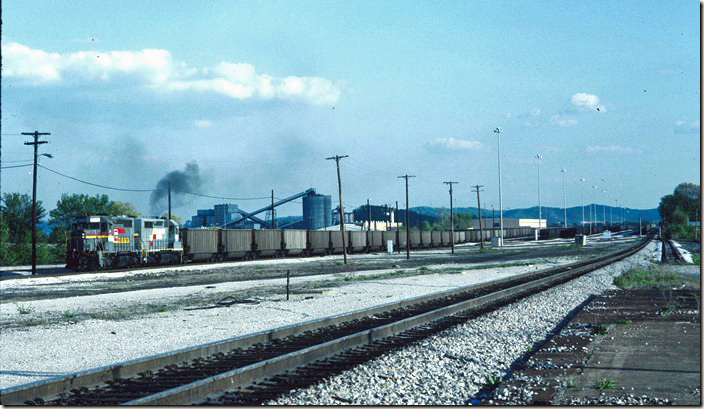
x=52, y=388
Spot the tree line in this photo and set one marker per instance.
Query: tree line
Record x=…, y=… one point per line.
x=16, y=224
x=678, y=210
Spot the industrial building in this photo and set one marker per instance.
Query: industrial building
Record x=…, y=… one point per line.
x=317, y=214
x=509, y=223
x=219, y=215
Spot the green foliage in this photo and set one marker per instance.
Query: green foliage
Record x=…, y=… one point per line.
x=24, y=310
x=600, y=329
x=697, y=258
x=645, y=278
x=623, y=322
x=492, y=379
x=461, y=221
x=123, y=209
x=75, y=205
x=16, y=214
x=606, y=383
x=678, y=209
x=425, y=226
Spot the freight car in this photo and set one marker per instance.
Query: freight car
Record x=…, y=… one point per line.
x=103, y=242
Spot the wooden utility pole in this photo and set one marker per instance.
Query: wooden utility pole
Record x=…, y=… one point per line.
x=452, y=219
x=408, y=231
x=169, y=212
x=369, y=216
x=36, y=143
x=273, y=223
x=479, y=208
x=342, y=211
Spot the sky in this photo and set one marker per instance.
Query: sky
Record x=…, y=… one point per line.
x=242, y=97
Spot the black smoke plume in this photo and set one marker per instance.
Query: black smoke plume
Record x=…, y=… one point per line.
x=181, y=182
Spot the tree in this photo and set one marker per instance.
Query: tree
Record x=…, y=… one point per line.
x=76, y=205
x=16, y=214
x=123, y=209
x=425, y=226
x=677, y=209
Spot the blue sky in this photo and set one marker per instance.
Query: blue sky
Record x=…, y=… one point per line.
x=258, y=94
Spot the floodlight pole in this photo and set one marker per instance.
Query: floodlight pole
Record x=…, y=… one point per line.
x=498, y=132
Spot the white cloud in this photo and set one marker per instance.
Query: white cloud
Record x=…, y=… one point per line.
x=682, y=126
x=157, y=70
x=203, y=123
x=586, y=102
x=610, y=149
x=456, y=144
x=563, y=121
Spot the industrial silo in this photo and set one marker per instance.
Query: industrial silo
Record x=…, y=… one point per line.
x=328, y=211
x=316, y=211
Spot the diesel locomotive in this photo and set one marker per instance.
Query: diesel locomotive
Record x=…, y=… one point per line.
x=105, y=242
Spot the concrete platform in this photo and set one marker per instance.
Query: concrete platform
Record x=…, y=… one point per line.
x=623, y=347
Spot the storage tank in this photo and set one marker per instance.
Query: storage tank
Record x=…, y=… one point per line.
x=317, y=211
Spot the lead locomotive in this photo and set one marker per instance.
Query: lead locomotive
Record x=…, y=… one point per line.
x=105, y=242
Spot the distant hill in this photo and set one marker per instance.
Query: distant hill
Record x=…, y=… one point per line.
x=554, y=215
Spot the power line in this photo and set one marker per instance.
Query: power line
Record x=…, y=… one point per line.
x=147, y=190
x=96, y=184
x=17, y=166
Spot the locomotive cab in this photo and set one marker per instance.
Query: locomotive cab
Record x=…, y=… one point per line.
x=88, y=241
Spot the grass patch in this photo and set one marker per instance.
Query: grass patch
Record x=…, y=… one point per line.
x=605, y=383
x=697, y=258
x=652, y=278
x=623, y=322
x=68, y=315
x=24, y=310
x=492, y=379
x=571, y=384
x=600, y=329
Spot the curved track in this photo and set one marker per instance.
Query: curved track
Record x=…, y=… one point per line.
x=311, y=349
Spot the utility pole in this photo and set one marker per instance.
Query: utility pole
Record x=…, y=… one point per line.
x=342, y=211
x=452, y=219
x=564, y=198
x=396, y=215
x=408, y=231
x=169, y=184
x=369, y=216
x=36, y=144
x=273, y=223
x=479, y=206
x=493, y=233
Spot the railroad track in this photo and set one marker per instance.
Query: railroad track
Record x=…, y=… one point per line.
x=670, y=253
x=253, y=368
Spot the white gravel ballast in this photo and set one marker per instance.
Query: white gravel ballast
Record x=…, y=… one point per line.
x=450, y=367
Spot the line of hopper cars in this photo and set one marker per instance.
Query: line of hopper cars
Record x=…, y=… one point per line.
x=105, y=242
